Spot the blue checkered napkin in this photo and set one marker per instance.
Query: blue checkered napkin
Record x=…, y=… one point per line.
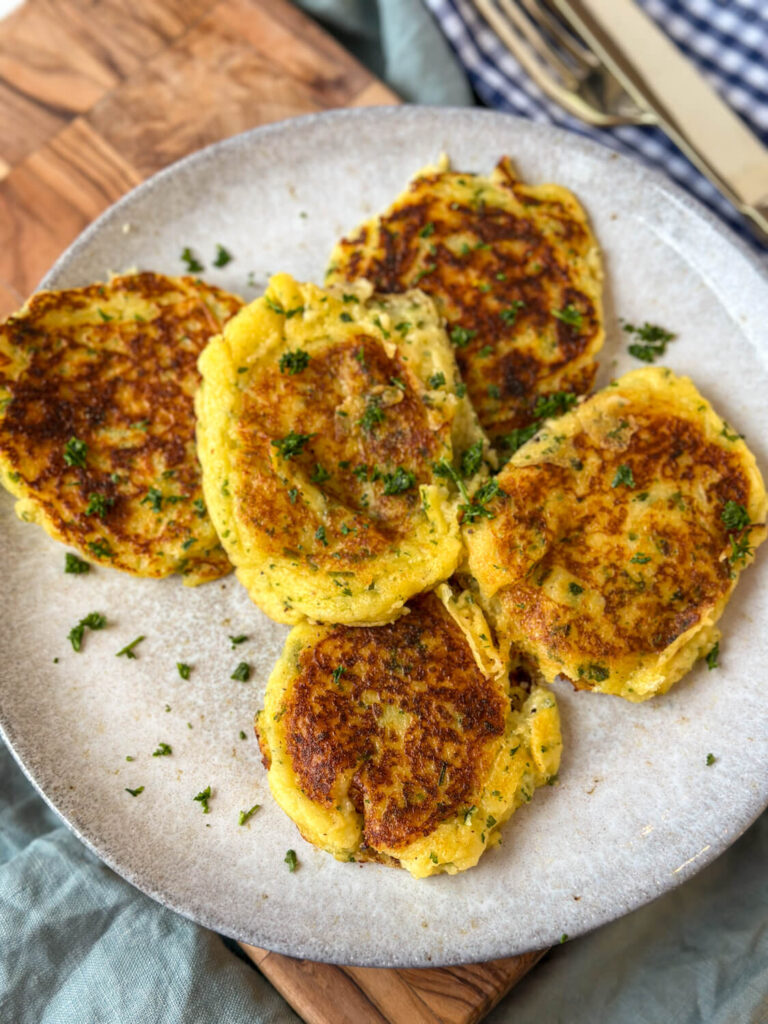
x=726, y=39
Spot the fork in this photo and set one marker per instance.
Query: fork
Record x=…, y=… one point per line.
x=560, y=64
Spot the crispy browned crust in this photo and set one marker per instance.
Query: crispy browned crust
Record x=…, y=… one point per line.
x=123, y=384
x=362, y=521
x=405, y=780
x=480, y=260
x=681, y=570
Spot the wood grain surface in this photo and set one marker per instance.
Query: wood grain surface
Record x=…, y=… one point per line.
x=95, y=96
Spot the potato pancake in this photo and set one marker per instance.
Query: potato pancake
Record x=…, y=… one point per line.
x=97, y=428
x=514, y=269
x=405, y=743
x=325, y=421
x=619, y=535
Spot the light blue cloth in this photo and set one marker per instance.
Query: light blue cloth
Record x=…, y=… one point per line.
x=399, y=41
x=81, y=946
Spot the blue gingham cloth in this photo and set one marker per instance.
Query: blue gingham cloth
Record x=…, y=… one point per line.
x=727, y=40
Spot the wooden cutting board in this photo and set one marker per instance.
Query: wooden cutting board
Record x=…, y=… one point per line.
x=97, y=95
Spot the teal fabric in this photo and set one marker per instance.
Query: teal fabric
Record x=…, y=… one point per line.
x=81, y=946
x=78, y=945
x=401, y=43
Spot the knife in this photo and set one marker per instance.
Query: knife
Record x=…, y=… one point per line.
x=686, y=107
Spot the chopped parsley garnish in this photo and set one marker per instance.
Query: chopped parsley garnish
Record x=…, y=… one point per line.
x=734, y=516
x=468, y=815
x=338, y=672
x=730, y=435
x=245, y=815
x=711, y=759
x=475, y=507
x=319, y=474
x=433, y=857
x=554, y=404
x=163, y=750
x=223, y=257
x=441, y=780
x=461, y=389
x=569, y=315
x=194, y=266
x=712, y=658
x=372, y=416
x=242, y=673
x=423, y=272
x=597, y=673
x=320, y=535
x=575, y=588
x=134, y=792
x=654, y=338
x=293, y=494
x=153, y=498
x=563, y=938
x=277, y=308
x=398, y=482
x=199, y=506
x=486, y=350
x=184, y=669
x=517, y=438
x=509, y=315
x=128, y=649
x=741, y=549
x=547, y=406
x=242, y=735
x=397, y=383
x=237, y=640
x=346, y=297
x=75, y=565
x=461, y=336
x=94, y=620
x=472, y=460
x=437, y=380
x=291, y=445
x=291, y=860
x=202, y=798
x=100, y=548
x=98, y=504
x=624, y=476
x=380, y=325
x=346, y=317
x=294, y=362
x=494, y=391
x=75, y=451
x=104, y=316
x=640, y=559
x=427, y=230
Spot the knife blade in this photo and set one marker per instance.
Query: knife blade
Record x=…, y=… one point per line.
x=659, y=77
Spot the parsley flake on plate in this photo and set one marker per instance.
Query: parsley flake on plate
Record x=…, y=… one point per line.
x=202, y=798
x=242, y=673
x=75, y=565
x=94, y=620
x=127, y=651
x=245, y=815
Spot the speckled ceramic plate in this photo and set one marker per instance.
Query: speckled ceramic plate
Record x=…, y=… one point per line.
x=637, y=809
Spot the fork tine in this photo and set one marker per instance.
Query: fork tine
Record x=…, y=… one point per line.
x=536, y=39
x=543, y=13
x=543, y=72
